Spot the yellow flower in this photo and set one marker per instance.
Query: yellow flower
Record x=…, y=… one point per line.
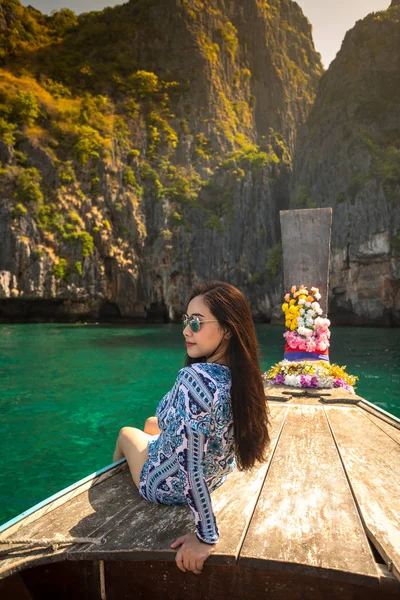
x=293, y=326
x=292, y=302
x=285, y=307
x=309, y=299
x=302, y=297
x=293, y=310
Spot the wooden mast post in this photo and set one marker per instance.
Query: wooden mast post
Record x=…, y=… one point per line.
x=306, y=242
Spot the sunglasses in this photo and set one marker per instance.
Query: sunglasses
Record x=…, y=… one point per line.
x=194, y=322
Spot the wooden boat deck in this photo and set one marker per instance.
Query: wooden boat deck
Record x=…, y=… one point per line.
x=324, y=508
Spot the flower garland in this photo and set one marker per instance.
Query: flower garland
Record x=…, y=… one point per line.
x=310, y=374
x=308, y=328
x=308, y=332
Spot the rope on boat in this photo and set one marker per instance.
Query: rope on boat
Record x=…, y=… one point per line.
x=53, y=542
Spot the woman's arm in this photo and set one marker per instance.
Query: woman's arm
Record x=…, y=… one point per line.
x=193, y=401
x=190, y=459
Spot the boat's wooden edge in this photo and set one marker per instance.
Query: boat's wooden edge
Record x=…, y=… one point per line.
x=316, y=571
x=380, y=413
x=61, y=497
x=383, y=579
x=387, y=580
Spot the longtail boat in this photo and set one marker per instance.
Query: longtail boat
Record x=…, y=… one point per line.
x=319, y=519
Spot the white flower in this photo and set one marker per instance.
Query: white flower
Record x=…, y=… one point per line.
x=308, y=304
x=311, y=313
x=301, y=301
x=293, y=380
x=317, y=296
x=302, y=311
x=315, y=306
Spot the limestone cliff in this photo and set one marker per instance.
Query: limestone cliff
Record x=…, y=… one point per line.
x=348, y=157
x=144, y=147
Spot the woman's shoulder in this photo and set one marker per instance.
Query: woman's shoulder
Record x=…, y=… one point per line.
x=219, y=374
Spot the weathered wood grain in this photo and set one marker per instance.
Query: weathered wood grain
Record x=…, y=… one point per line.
x=61, y=500
x=163, y=581
x=372, y=462
x=306, y=520
x=306, y=240
x=79, y=516
x=388, y=428
x=130, y=524
x=374, y=410
x=149, y=529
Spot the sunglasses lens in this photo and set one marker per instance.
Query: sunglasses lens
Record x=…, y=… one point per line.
x=194, y=324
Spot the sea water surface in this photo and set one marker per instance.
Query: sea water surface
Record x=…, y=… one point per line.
x=67, y=389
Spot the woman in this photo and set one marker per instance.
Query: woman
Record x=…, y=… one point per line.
x=214, y=418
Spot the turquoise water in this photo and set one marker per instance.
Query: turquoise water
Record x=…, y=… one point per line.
x=67, y=389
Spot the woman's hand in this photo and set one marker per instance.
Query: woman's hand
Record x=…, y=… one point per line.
x=192, y=553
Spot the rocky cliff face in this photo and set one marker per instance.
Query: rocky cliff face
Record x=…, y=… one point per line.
x=348, y=157
x=145, y=147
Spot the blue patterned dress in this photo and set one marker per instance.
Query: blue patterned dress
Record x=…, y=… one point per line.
x=194, y=452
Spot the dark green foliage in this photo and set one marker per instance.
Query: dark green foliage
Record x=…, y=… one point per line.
x=28, y=188
x=255, y=279
x=18, y=211
x=78, y=267
x=385, y=166
x=357, y=182
x=88, y=144
x=341, y=197
x=302, y=198
x=24, y=108
x=396, y=243
x=274, y=262
x=81, y=237
x=249, y=156
x=61, y=270
x=62, y=21
x=213, y=222
x=7, y=131
x=66, y=172
x=21, y=158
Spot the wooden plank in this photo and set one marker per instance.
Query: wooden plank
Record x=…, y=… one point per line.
x=372, y=409
x=60, y=498
x=78, y=517
x=388, y=428
x=372, y=462
x=306, y=240
x=66, y=580
x=164, y=581
x=306, y=520
x=132, y=525
x=148, y=530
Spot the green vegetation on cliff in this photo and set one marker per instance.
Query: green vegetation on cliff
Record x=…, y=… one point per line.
x=106, y=130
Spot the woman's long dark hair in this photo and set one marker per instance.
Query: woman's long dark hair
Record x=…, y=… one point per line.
x=249, y=405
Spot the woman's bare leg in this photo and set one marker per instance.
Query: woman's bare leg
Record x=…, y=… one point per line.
x=132, y=443
x=151, y=426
